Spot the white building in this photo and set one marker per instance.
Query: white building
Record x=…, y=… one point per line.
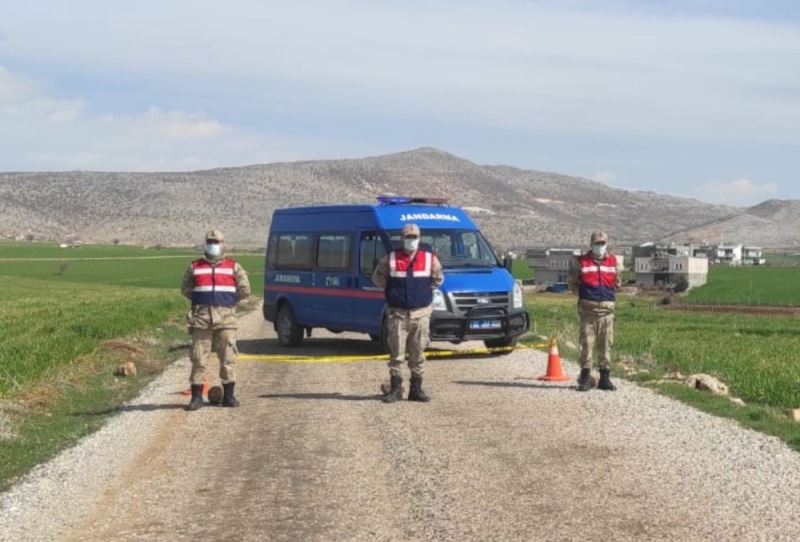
x=728, y=255
x=752, y=256
x=665, y=269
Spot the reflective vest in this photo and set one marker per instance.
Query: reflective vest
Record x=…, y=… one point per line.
x=598, y=280
x=214, y=284
x=409, y=283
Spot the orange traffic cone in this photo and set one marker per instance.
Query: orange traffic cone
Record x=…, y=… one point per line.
x=554, y=371
x=188, y=391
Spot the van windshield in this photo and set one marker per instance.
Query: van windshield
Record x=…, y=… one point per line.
x=454, y=248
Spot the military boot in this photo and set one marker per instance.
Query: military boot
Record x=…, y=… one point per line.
x=228, y=399
x=197, y=397
x=415, y=392
x=585, y=380
x=396, y=391
x=605, y=381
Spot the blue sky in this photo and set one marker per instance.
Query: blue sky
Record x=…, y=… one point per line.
x=690, y=98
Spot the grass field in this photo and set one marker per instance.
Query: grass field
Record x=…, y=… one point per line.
x=749, y=286
x=757, y=356
x=60, y=309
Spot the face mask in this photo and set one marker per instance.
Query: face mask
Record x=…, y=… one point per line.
x=410, y=244
x=214, y=249
x=599, y=250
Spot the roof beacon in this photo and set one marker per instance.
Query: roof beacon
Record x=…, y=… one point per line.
x=402, y=200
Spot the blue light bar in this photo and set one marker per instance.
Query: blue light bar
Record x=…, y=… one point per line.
x=393, y=200
x=402, y=200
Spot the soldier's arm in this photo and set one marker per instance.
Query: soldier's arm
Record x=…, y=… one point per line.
x=437, y=273
x=380, y=273
x=187, y=284
x=242, y=282
x=619, y=275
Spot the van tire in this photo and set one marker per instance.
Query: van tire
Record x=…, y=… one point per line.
x=290, y=334
x=501, y=343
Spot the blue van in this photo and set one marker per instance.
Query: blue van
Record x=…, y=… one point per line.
x=320, y=261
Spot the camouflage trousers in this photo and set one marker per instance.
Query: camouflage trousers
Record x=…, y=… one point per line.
x=221, y=342
x=596, y=331
x=409, y=332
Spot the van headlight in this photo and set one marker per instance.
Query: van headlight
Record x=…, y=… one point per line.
x=516, y=296
x=439, y=303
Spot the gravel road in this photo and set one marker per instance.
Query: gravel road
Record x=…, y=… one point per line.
x=312, y=454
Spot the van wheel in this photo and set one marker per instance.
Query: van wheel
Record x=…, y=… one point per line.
x=501, y=343
x=289, y=333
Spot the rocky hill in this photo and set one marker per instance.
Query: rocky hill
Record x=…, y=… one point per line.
x=515, y=208
x=772, y=223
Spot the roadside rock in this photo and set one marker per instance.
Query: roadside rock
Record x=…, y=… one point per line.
x=704, y=382
x=736, y=401
x=126, y=369
x=794, y=414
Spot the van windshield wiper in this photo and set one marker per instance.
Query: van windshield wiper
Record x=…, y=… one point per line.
x=483, y=265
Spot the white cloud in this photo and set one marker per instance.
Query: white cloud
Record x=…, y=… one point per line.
x=44, y=132
x=739, y=192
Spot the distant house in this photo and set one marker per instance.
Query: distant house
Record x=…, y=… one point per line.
x=661, y=265
x=728, y=255
x=551, y=265
x=752, y=256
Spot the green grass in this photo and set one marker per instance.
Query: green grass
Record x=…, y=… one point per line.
x=521, y=270
x=56, y=366
x=44, y=325
x=757, y=356
x=749, y=286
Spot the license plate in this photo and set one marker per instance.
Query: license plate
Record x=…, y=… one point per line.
x=485, y=324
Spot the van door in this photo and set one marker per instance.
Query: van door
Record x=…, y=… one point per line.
x=334, y=281
x=368, y=312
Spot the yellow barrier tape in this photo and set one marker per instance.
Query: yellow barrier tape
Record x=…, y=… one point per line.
x=281, y=358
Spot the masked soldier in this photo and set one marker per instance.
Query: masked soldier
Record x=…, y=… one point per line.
x=214, y=284
x=408, y=276
x=596, y=276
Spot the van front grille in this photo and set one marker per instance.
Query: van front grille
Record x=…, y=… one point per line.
x=468, y=300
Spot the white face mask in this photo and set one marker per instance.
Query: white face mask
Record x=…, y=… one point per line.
x=410, y=244
x=214, y=250
x=599, y=250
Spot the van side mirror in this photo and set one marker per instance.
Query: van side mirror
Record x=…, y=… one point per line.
x=508, y=263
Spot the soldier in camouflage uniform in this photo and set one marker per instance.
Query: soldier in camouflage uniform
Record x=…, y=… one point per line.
x=596, y=276
x=214, y=284
x=408, y=276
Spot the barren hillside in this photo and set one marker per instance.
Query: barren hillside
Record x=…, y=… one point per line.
x=516, y=208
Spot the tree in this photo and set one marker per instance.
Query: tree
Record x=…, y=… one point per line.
x=681, y=284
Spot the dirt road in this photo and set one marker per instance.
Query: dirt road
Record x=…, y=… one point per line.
x=312, y=454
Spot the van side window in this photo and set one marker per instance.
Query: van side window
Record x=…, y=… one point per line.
x=372, y=251
x=293, y=251
x=333, y=251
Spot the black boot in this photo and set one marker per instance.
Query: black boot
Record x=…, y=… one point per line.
x=227, y=395
x=585, y=380
x=605, y=382
x=197, y=397
x=415, y=392
x=396, y=391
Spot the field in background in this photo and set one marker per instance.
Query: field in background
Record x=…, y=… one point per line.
x=749, y=286
x=757, y=356
x=69, y=316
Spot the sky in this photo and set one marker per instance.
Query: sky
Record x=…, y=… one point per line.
x=695, y=98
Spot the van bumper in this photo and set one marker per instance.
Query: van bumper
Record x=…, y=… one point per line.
x=479, y=325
